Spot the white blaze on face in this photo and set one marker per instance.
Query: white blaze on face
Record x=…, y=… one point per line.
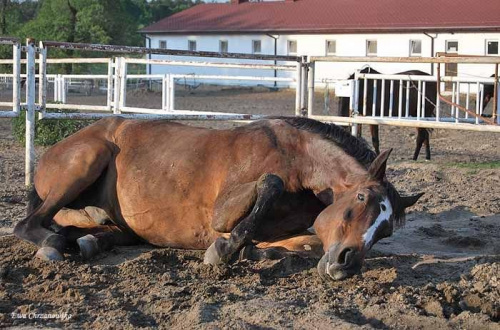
x=385, y=215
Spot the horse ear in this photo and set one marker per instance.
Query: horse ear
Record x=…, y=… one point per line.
x=408, y=201
x=326, y=196
x=378, y=166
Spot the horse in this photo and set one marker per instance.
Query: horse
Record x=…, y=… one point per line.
x=488, y=93
x=255, y=191
x=429, y=108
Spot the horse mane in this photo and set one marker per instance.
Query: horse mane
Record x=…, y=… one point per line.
x=355, y=147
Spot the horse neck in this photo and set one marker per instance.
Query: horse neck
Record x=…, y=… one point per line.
x=328, y=166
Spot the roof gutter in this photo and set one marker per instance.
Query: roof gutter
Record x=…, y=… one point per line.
x=386, y=30
x=148, y=45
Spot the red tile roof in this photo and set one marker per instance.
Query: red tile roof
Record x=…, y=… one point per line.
x=333, y=16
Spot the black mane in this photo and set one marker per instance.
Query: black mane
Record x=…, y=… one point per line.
x=355, y=147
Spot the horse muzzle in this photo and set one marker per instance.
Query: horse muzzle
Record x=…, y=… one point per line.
x=340, y=262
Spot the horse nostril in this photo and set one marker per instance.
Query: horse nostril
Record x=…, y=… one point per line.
x=345, y=256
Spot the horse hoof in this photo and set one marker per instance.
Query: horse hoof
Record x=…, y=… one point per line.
x=212, y=257
x=88, y=246
x=48, y=253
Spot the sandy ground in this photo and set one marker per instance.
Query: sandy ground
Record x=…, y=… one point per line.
x=441, y=270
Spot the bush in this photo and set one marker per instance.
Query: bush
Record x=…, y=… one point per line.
x=47, y=132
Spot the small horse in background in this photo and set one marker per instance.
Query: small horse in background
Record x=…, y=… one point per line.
x=253, y=190
x=429, y=108
x=488, y=93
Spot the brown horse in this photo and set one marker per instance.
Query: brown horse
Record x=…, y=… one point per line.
x=173, y=185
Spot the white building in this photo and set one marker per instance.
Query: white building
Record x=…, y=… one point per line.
x=394, y=28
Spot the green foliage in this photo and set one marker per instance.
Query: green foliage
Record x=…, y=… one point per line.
x=47, y=132
x=477, y=166
x=89, y=21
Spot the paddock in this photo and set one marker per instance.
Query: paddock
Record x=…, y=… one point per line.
x=439, y=271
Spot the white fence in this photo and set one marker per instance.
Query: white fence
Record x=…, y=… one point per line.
x=399, y=114
x=117, y=77
x=13, y=78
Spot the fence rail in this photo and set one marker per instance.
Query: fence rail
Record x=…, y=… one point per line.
x=303, y=77
x=15, y=76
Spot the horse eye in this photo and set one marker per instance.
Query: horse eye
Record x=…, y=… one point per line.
x=361, y=197
x=383, y=207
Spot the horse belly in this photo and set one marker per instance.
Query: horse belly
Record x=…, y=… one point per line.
x=167, y=226
x=164, y=197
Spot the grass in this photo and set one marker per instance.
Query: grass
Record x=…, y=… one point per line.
x=476, y=166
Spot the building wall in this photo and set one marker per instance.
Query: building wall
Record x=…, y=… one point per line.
x=392, y=45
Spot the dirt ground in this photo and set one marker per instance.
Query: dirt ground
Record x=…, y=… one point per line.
x=440, y=271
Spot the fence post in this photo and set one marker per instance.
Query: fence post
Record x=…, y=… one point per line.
x=164, y=92
x=310, y=82
x=171, y=86
x=63, y=89
x=498, y=103
x=16, y=79
x=56, y=81
x=298, y=85
x=30, y=113
x=352, y=105
x=117, y=86
x=109, y=93
x=123, y=82
x=42, y=80
x=303, y=85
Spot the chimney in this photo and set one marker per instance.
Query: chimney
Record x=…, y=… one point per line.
x=237, y=2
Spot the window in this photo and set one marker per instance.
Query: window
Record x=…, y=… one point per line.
x=415, y=47
x=192, y=45
x=163, y=44
x=256, y=47
x=371, y=47
x=331, y=47
x=492, y=47
x=451, y=46
x=292, y=47
x=223, y=46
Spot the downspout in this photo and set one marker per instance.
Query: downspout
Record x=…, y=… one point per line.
x=432, y=50
x=148, y=45
x=148, y=68
x=275, y=54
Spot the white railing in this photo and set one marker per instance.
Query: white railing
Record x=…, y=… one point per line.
x=118, y=76
x=362, y=112
x=303, y=79
x=15, y=77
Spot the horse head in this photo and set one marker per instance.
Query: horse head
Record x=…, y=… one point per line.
x=358, y=217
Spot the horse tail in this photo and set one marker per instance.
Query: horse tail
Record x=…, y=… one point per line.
x=34, y=200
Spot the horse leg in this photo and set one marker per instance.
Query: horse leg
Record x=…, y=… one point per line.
x=421, y=133
x=265, y=192
x=62, y=182
x=375, y=139
x=427, y=144
x=94, y=240
x=305, y=245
